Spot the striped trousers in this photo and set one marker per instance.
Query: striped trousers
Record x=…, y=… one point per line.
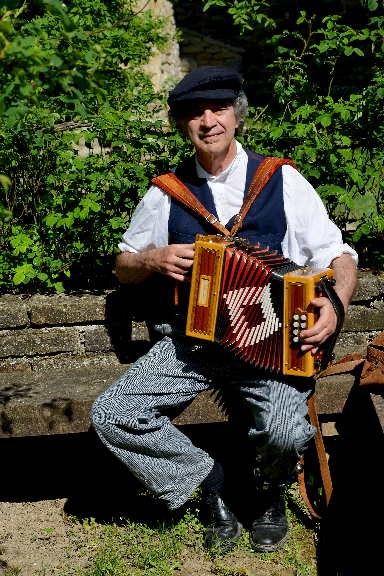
x=131, y=416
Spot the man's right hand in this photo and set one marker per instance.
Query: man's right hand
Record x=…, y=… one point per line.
x=175, y=261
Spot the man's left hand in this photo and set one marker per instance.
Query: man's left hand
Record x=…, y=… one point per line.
x=323, y=329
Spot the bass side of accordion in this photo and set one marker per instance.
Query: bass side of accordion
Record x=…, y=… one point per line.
x=255, y=302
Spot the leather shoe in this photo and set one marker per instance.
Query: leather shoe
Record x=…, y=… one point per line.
x=224, y=531
x=270, y=530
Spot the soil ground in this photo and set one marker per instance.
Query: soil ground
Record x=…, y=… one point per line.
x=36, y=538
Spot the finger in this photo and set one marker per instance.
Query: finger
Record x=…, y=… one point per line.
x=183, y=263
x=316, y=339
x=180, y=277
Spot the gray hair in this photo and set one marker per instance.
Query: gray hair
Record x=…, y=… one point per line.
x=240, y=107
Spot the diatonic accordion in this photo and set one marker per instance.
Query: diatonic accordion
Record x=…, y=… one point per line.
x=255, y=302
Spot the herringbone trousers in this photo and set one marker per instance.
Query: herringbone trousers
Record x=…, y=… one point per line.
x=130, y=417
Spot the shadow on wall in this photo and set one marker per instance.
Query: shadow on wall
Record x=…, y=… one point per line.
x=151, y=301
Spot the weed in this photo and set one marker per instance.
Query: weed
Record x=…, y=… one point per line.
x=128, y=548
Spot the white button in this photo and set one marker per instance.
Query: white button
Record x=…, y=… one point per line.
x=296, y=317
x=303, y=317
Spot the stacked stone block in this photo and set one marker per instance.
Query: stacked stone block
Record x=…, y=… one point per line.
x=197, y=50
x=60, y=331
x=70, y=331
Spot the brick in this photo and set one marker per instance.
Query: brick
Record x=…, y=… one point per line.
x=97, y=340
x=364, y=319
x=369, y=287
x=13, y=312
x=39, y=342
x=64, y=309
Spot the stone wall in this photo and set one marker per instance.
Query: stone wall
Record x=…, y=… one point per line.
x=197, y=50
x=60, y=331
x=69, y=331
x=193, y=51
x=164, y=66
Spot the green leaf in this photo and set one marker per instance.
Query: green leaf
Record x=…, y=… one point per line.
x=56, y=60
x=325, y=120
x=372, y=5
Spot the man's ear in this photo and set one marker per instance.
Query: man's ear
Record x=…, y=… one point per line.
x=181, y=125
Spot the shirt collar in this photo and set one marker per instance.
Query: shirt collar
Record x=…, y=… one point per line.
x=201, y=173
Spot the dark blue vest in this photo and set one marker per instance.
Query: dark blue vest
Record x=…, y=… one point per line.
x=265, y=222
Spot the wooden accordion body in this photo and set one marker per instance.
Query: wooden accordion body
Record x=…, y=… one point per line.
x=255, y=302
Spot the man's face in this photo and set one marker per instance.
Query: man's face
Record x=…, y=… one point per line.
x=210, y=125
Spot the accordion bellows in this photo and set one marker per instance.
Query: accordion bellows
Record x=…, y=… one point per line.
x=255, y=302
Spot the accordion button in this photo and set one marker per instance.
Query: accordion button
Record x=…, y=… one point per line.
x=303, y=317
x=296, y=317
x=295, y=339
x=303, y=325
x=295, y=332
x=295, y=324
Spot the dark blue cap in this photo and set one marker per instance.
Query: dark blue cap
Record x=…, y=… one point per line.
x=206, y=83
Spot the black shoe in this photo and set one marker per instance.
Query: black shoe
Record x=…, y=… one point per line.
x=224, y=531
x=270, y=530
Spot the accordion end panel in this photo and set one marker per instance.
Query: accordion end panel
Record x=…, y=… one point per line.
x=300, y=288
x=205, y=286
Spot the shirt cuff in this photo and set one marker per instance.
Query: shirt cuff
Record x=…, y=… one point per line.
x=325, y=256
x=123, y=247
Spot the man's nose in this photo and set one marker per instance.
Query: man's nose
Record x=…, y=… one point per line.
x=208, y=118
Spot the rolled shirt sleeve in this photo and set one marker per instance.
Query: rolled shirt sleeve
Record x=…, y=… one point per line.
x=149, y=225
x=312, y=239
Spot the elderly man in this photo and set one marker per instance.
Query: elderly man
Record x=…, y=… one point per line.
x=131, y=416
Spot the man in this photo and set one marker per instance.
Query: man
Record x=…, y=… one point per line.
x=130, y=417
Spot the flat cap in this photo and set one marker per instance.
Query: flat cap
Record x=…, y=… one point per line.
x=207, y=83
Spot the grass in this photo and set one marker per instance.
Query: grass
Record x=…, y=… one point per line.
x=127, y=548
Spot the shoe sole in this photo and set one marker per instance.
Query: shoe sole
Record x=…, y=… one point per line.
x=266, y=547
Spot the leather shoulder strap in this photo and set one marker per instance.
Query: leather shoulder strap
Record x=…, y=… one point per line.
x=323, y=462
x=264, y=172
x=174, y=187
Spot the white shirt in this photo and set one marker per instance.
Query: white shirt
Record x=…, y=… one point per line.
x=311, y=238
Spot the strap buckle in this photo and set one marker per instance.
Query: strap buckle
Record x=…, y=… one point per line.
x=208, y=218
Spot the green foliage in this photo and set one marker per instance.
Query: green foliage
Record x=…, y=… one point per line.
x=337, y=142
x=75, y=76
x=67, y=209
x=244, y=12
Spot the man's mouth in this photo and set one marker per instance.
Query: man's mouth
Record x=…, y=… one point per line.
x=211, y=135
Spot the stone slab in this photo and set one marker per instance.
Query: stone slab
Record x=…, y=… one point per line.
x=361, y=318
x=38, y=342
x=63, y=309
x=59, y=402
x=52, y=402
x=13, y=312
